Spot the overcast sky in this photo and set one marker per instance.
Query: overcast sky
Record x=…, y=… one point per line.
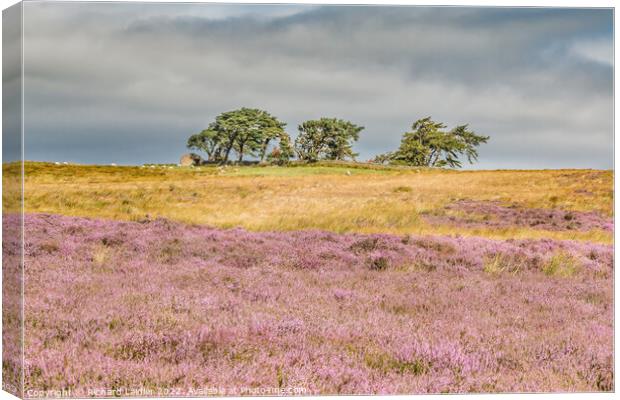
x=128, y=83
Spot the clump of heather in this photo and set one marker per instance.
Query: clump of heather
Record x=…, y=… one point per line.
x=166, y=305
x=492, y=214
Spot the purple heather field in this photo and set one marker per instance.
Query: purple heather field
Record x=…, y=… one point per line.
x=495, y=215
x=160, y=304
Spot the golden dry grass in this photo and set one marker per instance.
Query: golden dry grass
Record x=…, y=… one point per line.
x=335, y=198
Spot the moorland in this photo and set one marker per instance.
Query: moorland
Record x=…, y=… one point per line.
x=331, y=277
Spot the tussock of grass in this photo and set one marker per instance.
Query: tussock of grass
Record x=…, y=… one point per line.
x=101, y=255
x=501, y=263
x=402, y=189
x=563, y=265
x=384, y=363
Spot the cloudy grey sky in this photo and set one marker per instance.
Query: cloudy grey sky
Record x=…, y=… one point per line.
x=128, y=83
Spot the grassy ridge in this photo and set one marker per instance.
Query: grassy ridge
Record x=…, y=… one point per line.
x=333, y=197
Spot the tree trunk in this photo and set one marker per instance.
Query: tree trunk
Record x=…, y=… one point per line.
x=229, y=147
x=264, y=150
x=241, y=152
x=430, y=162
x=217, y=154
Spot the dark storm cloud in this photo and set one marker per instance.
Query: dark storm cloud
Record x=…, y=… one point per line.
x=128, y=83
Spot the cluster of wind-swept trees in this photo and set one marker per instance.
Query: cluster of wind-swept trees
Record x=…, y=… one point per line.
x=246, y=131
x=428, y=144
x=258, y=134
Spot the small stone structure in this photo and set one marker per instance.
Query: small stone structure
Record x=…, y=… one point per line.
x=190, y=159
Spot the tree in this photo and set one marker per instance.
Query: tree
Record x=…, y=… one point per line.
x=210, y=141
x=429, y=145
x=326, y=139
x=247, y=131
x=272, y=130
x=257, y=129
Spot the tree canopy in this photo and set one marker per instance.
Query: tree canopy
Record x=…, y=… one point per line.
x=326, y=139
x=246, y=131
x=428, y=144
